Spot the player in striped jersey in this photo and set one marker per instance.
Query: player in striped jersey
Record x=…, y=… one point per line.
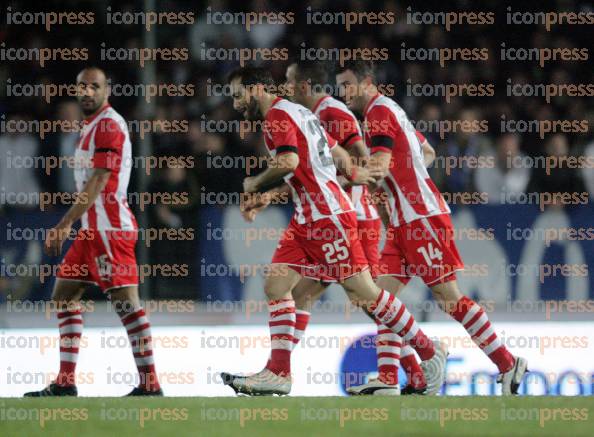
x=420, y=238
x=307, y=82
x=103, y=251
x=321, y=239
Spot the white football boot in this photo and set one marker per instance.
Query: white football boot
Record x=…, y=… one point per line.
x=264, y=382
x=435, y=367
x=374, y=387
x=510, y=380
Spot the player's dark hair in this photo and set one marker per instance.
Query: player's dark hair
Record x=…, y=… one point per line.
x=315, y=72
x=360, y=68
x=251, y=76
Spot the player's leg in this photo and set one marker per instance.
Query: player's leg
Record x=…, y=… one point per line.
x=280, y=281
x=275, y=378
x=66, y=297
x=474, y=319
x=306, y=293
x=126, y=303
x=72, y=278
x=116, y=270
x=389, y=311
x=416, y=383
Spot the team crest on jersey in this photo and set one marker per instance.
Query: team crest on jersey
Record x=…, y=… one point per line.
x=104, y=267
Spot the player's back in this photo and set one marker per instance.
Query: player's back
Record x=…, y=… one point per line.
x=316, y=191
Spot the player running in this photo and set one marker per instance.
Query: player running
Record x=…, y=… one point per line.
x=103, y=252
x=302, y=155
x=306, y=82
x=420, y=238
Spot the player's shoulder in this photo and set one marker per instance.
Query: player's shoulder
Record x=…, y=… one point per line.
x=113, y=119
x=283, y=109
x=382, y=106
x=110, y=123
x=333, y=105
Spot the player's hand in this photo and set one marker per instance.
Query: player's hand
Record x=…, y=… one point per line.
x=376, y=173
x=252, y=204
x=250, y=185
x=55, y=238
x=362, y=176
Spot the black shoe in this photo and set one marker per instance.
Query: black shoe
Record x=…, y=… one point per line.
x=141, y=391
x=54, y=390
x=410, y=390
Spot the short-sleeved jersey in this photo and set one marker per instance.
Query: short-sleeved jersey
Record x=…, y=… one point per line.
x=411, y=193
x=290, y=127
x=105, y=143
x=343, y=126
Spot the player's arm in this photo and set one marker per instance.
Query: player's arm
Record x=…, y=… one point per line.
x=252, y=203
x=426, y=149
x=285, y=162
x=109, y=140
x=428, y=153
x=354, y=174
x=58, y=234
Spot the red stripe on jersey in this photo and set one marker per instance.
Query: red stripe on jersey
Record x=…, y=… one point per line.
x=110, y=203
x=341, y=125
x=92, y=217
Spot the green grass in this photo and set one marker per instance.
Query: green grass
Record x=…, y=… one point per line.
x=298, y=416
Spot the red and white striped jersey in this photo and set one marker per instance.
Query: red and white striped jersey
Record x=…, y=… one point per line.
x=411, y=193
x=105, y=143
x=343, y=126
x=290, y=127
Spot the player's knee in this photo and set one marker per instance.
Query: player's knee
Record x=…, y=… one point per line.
x=272, y=290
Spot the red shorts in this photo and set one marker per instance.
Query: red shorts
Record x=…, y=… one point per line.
x=327, y=249
x=370, y=234
x=424, y=248
x=104, y=258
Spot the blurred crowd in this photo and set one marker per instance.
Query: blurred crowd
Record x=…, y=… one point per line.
x=203, y=144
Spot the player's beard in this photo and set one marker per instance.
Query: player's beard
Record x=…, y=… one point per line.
x=252, y=112
x=89, y=109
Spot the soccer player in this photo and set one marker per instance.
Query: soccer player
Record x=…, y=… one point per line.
x=420, y=238
x=103, y=251
x=302, y=155
x=307, y=82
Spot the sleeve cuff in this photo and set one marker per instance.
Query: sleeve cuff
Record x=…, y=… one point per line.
x=348, y=142
x=286, y=149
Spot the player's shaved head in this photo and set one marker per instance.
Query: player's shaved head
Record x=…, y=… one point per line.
x=93, y=89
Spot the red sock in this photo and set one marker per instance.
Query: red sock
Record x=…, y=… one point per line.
x=301, y=321
x=414, y=373
x=282, y=340
x=139, y=334
x=389, y=311
x=475, y=321
x=388, y=354
x=70, y=324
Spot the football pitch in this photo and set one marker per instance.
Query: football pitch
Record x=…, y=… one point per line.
x=298, y=416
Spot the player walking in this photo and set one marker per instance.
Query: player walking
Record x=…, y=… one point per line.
x=103, y=252
x=302, y=154
x=420, y=239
